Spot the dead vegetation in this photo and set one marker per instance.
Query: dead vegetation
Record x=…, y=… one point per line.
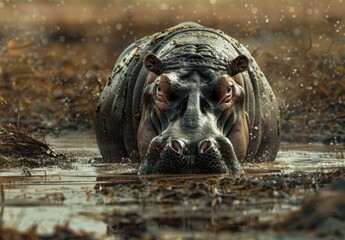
x=40, y=92
x=14, y=141
x=52, y=71
x=61, y=232
x=19, y=148
x=48, y=88
x=223, y=199
x=311, y=88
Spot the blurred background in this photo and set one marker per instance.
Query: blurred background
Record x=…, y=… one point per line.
x=55, y=56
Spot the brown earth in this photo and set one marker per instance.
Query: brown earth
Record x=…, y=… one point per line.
x=55, y=56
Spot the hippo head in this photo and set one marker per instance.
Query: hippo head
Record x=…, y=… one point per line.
x=193, y=117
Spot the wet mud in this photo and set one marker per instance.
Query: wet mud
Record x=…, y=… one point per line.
x=55, y=57
x=106, y=201
x=53, y=68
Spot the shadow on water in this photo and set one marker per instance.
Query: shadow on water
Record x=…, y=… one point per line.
x=110, y=199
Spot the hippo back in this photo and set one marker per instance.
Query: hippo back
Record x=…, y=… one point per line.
x=119, y=110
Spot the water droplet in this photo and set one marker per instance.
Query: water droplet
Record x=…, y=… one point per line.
x=105, y=39
x=291, y=9
x=45, y=41
x=297, y=31
x=118, y=26
x=164, y=6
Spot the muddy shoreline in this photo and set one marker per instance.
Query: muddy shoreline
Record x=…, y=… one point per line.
x=56, y=56
x=53, y=68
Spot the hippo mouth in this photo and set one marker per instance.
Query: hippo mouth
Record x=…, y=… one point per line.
x=176, y=158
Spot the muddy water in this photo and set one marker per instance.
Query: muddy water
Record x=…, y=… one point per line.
x=111, y=201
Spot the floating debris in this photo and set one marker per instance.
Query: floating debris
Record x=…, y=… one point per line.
x=18, y=148
x=61, y=232
x=322, y=214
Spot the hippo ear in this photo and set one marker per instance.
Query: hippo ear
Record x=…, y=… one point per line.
x=153, y=63
x=238, y=65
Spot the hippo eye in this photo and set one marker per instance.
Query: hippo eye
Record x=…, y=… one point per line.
x=159, y=90
x=229, y=88
x=224, y=92
x=160, y=94
x=163, y=89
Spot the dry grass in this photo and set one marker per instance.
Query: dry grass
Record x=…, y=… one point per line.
x=37, y=89
x=14, y=141
x=308, y=77
x=19, y=149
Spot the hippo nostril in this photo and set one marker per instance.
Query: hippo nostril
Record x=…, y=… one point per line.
x=204, y=145
x=177, y=145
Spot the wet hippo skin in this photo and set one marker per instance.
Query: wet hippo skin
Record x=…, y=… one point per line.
x=189, y=99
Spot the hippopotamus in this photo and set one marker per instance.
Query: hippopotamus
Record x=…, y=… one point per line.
x=187, y=100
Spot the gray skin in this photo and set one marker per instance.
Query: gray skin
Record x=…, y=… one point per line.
x=188, y=100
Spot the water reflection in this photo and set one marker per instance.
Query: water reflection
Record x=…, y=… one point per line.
x=112, y=199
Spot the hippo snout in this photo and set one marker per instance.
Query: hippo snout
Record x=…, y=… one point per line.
x=209, y=158
x=177, y=145
x=180, y=146
x=200, y=106
x=173, y=157
x=180, y=156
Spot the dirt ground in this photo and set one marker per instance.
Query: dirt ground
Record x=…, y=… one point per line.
x=55, y=56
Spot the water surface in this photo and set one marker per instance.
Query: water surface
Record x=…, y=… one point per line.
x=111, y=199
